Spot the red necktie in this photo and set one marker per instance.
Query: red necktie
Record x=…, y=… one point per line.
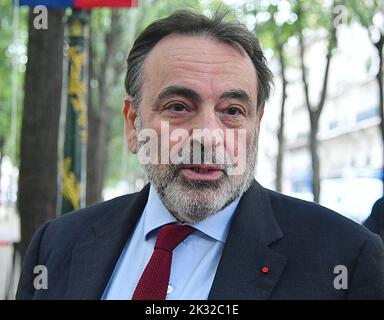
x=153, y=282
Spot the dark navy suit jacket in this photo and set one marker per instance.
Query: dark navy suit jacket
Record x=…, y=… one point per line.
x=300, y=242
x=375, y=221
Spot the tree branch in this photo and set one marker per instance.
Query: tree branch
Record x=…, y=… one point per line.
x=111, y=38
x=303, y=71
x=331, y=45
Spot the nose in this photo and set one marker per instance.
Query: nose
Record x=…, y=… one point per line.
x=207, y=118
x=209, y=126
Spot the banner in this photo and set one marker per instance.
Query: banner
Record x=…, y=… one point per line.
x=80, y=4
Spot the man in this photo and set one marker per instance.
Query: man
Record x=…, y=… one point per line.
x=201, y=229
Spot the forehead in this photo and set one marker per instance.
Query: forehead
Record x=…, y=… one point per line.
x=200, y=62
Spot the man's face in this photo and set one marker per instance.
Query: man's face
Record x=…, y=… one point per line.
x=193, y=83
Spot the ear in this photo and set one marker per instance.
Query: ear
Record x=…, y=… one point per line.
x=130, y=117
x=260, y=115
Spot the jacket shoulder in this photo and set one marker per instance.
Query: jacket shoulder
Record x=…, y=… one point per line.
x=74, y=224
x=317, y=240
x=296, y=215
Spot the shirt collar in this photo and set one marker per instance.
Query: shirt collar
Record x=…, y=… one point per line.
x=215, y=226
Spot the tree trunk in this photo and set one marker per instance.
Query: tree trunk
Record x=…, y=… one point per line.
x=98, y=118
x=93, y=163
x=96, y=154
x=280, y=134
x=315, y=163
x=37, y=192
x=314, y=111
x=99, y=112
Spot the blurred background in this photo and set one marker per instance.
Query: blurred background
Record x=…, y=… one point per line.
x=62, y=89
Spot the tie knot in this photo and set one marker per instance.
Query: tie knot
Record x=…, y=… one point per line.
x=171, y=235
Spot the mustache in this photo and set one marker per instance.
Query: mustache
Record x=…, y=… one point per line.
x=203, y=157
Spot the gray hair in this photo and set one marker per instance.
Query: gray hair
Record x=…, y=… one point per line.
x=190, y=23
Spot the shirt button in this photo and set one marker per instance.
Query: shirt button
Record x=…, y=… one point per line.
x=169, y=289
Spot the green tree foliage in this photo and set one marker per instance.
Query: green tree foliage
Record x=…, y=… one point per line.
x=370, y=14
x=274, y=26
x=306, y=21
x=11, y=52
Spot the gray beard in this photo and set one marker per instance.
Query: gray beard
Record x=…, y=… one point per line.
x=194, y=201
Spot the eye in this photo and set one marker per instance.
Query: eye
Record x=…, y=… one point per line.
x=233, y=111
x=176, y=107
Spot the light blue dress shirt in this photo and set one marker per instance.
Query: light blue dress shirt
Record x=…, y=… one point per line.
x=194, y=261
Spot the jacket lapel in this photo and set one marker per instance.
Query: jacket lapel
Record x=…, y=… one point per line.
x=94, y=257
x=240, y=272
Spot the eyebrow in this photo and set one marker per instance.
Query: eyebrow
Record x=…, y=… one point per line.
x=194, y=96
x=237, y=94
x=171, y=91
